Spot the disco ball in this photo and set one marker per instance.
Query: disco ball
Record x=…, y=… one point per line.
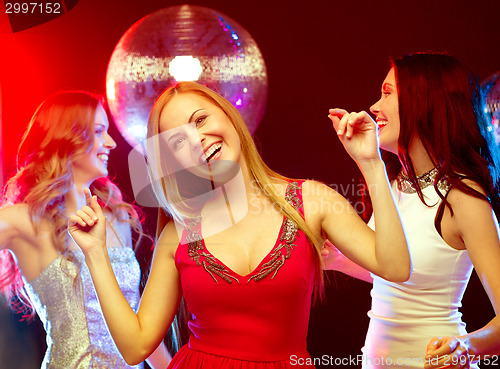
x=491, y=88
x=182, y=43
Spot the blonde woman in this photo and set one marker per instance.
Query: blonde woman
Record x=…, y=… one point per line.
x=64, y=150
x=244, y=245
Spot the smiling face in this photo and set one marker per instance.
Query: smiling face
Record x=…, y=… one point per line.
x=94, y=164
x=197, y=132
x=386, y=112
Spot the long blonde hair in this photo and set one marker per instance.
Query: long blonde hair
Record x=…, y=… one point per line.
x=260, y=173
x=60, y=130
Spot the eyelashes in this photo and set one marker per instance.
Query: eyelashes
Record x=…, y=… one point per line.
x=200, y=121
x=176, y=142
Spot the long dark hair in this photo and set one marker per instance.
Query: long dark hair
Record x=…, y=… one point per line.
x=440, y=101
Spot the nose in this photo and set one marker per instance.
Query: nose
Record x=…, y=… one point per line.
x=375, y=108
x=109, y=143
x=196, y=139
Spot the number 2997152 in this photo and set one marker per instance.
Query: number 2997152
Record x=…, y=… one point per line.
x=33, y=8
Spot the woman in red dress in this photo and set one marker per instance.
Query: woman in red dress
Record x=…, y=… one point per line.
x=243, y=247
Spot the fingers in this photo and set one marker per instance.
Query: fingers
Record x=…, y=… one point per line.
x=93, y=203
x=345, y=123
x=446, y=351
x=89, y=214
x=339, y=118
x=435, y=353
x=433, y=344
x=84, y=217
x=95, y=206
x=335, y=116
x=337, y=112
x=439, y=347
x=88, y=195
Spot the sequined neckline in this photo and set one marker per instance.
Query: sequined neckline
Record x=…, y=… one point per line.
x=424, y=180
x=270, y=264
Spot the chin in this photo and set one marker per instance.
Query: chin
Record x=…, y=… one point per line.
x=218, y=171
x=103, y=173
x=388, y=146
x=388, y=149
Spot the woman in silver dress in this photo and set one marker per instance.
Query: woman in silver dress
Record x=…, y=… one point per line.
x=64, y=150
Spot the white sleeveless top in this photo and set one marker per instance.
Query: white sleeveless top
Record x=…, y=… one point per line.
x=405, y=316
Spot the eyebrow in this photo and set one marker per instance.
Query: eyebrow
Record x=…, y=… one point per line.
x=192, y=115
x=387, y=85
x=173, y=137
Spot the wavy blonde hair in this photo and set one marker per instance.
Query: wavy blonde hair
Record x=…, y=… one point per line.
x=260, y=173
x=61, y=129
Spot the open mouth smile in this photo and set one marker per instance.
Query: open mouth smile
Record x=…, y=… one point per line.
x=381, y=123
x=211, y=152
x=103, y=156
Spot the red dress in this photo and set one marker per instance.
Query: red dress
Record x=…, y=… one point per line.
x=256, y=321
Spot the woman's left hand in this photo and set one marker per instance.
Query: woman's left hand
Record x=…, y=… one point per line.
x=447, y=352
x=358, y=134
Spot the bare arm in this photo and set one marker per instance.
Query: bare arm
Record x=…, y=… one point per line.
x=477, y=227
x=33, y=251
x=384, y=252
x=14, y=222
x=136, y=335
x=7, y=233
x=333, y=259
x=160, y=358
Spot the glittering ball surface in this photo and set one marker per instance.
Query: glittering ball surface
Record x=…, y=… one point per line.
x=491, y=88
x=183, y=43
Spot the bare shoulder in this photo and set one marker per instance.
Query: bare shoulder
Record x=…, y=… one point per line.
x=474, y=185
x=314, y=191
x=322, y=202
x=16, y=217
x=20, y=210
x=461, y=201
x=470, y=213
x=311, y=190
x=16, y=225
x=474, y=221
x=313, y=186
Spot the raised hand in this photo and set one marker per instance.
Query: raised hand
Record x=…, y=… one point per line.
x=87, y=226
x=447, y=352
x=358, y=134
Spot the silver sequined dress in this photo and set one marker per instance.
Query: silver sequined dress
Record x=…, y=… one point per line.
x=77, y=334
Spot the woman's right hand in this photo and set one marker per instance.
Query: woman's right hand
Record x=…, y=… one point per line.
x=358, y=133
x=87, y=226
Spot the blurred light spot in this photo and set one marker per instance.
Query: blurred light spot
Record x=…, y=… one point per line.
x=110, y=89
x=185, y=68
